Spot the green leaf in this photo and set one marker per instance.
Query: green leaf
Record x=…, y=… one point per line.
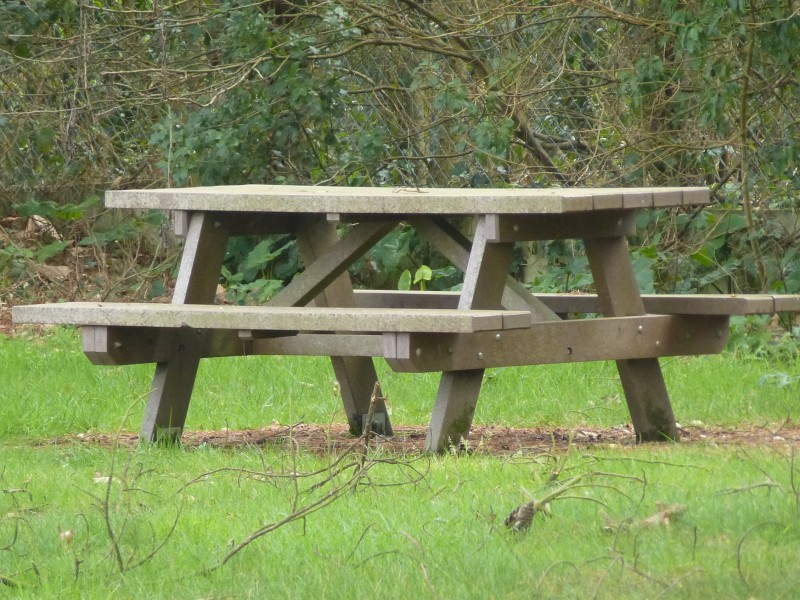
x=424, y=273
x=259, y=257
x=404, y=283
x=50, y=250
x=701, y=258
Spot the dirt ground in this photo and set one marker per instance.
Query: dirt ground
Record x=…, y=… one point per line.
x=318, y=439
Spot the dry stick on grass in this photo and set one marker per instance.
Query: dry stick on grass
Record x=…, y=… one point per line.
x=521, y=517
x=741, y=543
x=360, y=464
x=127, y=486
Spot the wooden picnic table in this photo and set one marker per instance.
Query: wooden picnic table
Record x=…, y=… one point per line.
x=493, y=321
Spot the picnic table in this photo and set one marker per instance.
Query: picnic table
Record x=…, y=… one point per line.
x=493, y=321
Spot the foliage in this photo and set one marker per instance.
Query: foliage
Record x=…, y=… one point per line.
x=398, y=92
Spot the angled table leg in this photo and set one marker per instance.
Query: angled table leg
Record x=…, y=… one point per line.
x=356, y=375
x=198, y=277
x=642, y=380
x=484, y=282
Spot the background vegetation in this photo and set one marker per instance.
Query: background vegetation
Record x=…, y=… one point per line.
x=136, y=93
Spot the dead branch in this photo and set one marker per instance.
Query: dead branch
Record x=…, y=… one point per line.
x=354, y=464
x=520, y=518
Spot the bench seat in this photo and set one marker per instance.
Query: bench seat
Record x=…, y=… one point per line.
x=663, y=304
x=266, y=318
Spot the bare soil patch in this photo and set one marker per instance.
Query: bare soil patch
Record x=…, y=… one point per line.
x=493, y=440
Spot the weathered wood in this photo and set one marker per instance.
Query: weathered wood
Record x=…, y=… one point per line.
x=126, y=345
x=642, y=380
x=456, y=248
x=659, y=304
x=787, y=303
x=521, y=228
x=321, y=344
x=271, y=318
x=408, y=299
x=178, y=339
x=405, y=201
x=356, y=376
x=326, y=266
x=646, y=336
x=173, y=381
x=140, y=345
x=457, y=396
x=674, y=304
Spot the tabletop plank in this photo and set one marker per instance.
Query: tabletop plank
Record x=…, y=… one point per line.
x=403, y=201
x=269, y=318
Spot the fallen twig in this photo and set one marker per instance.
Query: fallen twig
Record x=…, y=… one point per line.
x=355, y=462
x=521, y=517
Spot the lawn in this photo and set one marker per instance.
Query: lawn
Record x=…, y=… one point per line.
x=91, y=521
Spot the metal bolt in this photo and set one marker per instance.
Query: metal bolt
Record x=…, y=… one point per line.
x=658, y=343
x=418, y=352
x=117, y=345
x=640, y=329
x=516, y=227
x=496, y=337
x=217, y=224
x=450, y=350
x=480, y=355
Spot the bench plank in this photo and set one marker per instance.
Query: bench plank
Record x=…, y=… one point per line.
x=676, y=304
x=267, y=318
x=667, y=304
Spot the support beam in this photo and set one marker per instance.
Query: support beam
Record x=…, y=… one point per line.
x=527, y=228
x=327, y=258
x=457, y=397
x=197, y=281
x=646, y=336
x=327, y=282
x=642, y=380
x=455, y=246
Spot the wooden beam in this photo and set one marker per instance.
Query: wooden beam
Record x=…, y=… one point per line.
x=139, y=345
x=484, y=283
x=523, y=228
x=173, y=381
x=324, y=268
x=640, y=337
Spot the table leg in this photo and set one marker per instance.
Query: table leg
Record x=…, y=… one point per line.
x=197, y=281
x=356, y=375
x=642, y=380
x=484, y=282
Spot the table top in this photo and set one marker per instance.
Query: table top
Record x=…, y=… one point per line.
x=404, y=200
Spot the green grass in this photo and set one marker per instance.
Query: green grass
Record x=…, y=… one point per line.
x=440, y=537
x=50, y=388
